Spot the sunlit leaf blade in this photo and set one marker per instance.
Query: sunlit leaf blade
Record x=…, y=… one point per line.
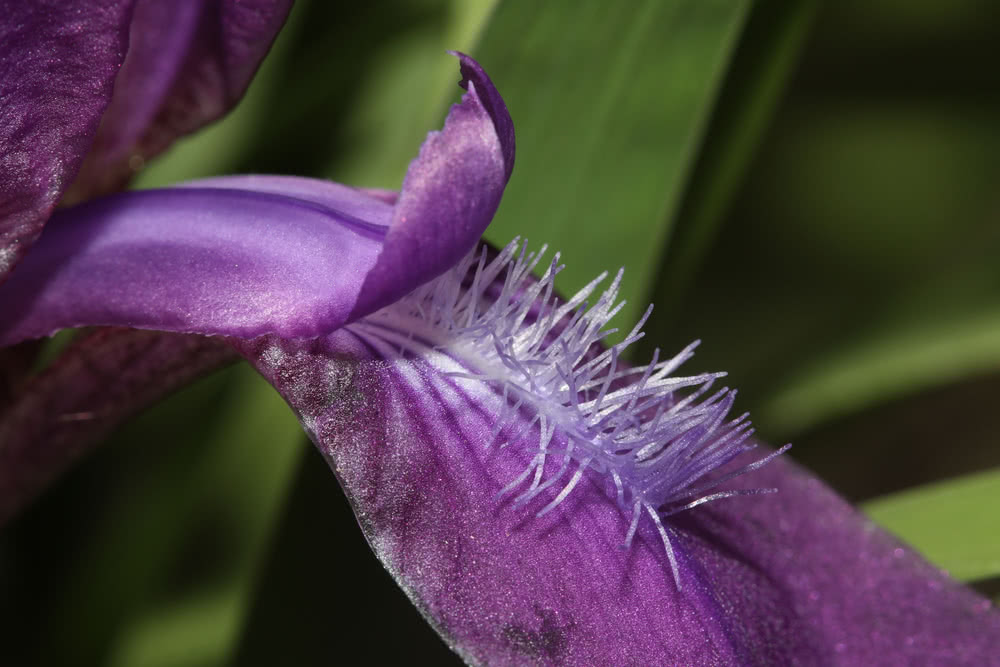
x=954, y=523
x=859, y=264
x=899, y=360
x=761, y=66
x=412, y=74
x=610, y=102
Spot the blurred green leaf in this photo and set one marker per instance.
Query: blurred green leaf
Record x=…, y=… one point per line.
x=243, y=477
x=610, y=102
x=860, y=264
x=764, y=60
x=406, y=93
x=194, y=522
x=901, y=359
x=953, y=523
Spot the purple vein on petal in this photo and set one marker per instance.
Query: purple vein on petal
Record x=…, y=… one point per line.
x=408, y=422
x=198, y=260
x=654, y=437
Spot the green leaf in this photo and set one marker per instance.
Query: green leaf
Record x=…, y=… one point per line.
x=610, y=102
x=406, y=93
x=220, y=486
x=953, y=523
x=764, y=60
x=859, y=264
x=243, y=475
x=899, y=360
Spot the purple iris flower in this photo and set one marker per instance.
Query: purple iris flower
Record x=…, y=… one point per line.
x=538, y=499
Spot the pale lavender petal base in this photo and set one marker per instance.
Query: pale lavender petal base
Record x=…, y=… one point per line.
x=58, y=63
x=797, y=577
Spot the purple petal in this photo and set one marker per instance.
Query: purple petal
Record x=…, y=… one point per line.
x=188, y=63
x=58, y=63
x=204, y=260
x=405, y=407
x=99, y=381
x=450, y=193
x=247, y=256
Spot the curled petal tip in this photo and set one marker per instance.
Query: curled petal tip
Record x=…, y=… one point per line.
x=491, y=100
x=449, y=196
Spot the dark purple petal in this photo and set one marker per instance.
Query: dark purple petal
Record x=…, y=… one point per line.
x=16, y=363
x=99, y=381
x=253, y=255
x=58, y=63
x=865, y=597
x=188, y=63
x=406, y=406
x=796, y=577
x=449, y=195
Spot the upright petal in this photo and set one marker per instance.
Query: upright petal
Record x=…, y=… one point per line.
x=58, y=63
x=188, y=63
x=411, y=411
x=450, y=193
x=252, y=255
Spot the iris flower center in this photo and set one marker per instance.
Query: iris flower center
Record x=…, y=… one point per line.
x=659, y=442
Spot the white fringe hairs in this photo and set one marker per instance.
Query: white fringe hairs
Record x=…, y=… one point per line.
x=653, y=435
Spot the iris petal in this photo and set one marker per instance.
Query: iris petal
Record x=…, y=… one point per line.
x=795, y=577
x=187, y=64
x=247, y=256
x=58, y=63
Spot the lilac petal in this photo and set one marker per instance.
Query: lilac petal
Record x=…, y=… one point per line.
x=407, y=406
x=796, y=577
x=58, y=63
x=865, y=597
x=199, y=260
x=99, y=381
x=252, y=255
x=188, y=63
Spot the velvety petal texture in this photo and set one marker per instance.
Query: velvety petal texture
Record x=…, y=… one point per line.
x=188, y=62
x=413, y=423
x=102, y=378
x=58, y=63
x=247, y=256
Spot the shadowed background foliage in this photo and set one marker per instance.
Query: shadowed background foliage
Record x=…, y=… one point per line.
x=809, y=188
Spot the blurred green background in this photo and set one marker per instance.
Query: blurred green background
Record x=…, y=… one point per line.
x=809, y=188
